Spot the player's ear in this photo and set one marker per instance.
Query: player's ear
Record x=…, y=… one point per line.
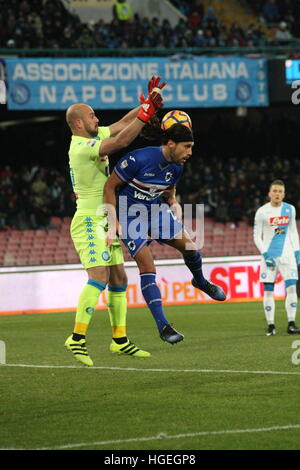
x=80, y=123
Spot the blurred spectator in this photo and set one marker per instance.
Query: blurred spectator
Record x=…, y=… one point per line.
x=48, y=24
x=30, y=196
x=221, y=212
x=282, y=32
x=86, y=39
x=271, y=11
x=209, y=17
x=122, y=10
x=236, y=35
x=275, y=11
x=194, y=20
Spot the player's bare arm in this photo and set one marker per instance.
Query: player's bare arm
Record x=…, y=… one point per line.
x=170, y=195
x=118, y=126
x=122, y=139
x=148, y=108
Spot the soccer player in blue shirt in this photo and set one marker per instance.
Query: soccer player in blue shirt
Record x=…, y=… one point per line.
x=141, y=178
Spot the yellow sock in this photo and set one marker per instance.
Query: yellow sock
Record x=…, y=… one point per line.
x=117, y=309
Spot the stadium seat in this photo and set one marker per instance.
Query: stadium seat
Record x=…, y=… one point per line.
x=40, y=234
x=22, y=261
x=48, y=260
x=60, y=259
x=16, y=234
x=25, y=243
x=53, y=242
x=25, y=247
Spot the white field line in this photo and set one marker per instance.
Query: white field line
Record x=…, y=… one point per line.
x=163, y=436
x=139, y=369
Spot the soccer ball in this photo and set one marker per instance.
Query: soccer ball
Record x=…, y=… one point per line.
x=175, y=117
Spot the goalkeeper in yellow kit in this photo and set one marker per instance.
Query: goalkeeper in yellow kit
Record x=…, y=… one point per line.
x=89, y=169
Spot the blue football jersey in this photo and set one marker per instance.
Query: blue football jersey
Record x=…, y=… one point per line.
x=147, y=175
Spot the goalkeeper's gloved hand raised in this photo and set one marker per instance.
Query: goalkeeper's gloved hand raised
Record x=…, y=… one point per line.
x=153, y=85
x=270, y=262
x=149, y=106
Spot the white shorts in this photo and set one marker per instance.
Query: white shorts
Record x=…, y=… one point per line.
x=287, y=267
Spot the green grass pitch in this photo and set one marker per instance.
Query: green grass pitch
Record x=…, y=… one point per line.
x=226, y=386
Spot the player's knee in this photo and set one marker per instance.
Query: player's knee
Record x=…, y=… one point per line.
x=99, y=274
x=144, y=261
x=185, y=245
x=146, y=266
x=122, y=280
x=118, y=277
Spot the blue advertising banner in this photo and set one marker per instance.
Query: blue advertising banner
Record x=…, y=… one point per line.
x=113, y=83
x=292, y=70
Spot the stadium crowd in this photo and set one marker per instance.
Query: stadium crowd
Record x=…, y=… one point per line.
x=229, y=174
x=284, y=13
x=48, y=24
x=32, y=195
x=230, y=190
x=230, y=185
x=233, y=190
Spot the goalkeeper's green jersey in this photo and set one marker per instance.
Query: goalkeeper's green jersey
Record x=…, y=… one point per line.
x=89, y=171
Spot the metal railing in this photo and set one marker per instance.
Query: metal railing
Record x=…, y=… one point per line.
x=271, y=48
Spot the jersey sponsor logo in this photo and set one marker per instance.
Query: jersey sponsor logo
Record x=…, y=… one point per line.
x=91, y=143
x=281, y=220
x=143, y=197
x=149, y=174
x=279, y=231
x=132, y=158
x=168, y=176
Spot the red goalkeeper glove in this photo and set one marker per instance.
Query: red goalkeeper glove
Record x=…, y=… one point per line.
x=154, y=83
x=149, y=106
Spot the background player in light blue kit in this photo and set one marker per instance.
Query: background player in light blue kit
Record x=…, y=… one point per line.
x=142, y=177
x=276, y=237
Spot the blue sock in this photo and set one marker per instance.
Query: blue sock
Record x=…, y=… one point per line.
x=152, y=295
x=194, y=263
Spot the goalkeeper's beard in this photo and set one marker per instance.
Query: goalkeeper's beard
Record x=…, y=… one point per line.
x=93, y=132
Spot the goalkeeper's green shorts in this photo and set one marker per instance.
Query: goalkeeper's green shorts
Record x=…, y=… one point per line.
x=88, y=235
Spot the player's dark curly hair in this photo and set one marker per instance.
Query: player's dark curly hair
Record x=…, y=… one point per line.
x=178, y=132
